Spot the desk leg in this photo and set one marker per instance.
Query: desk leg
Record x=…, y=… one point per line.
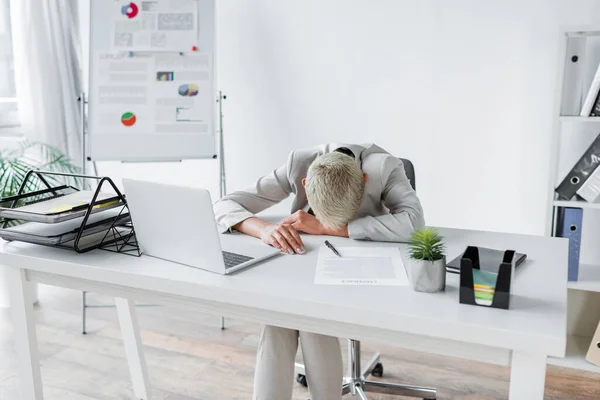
x=527, y=376
x=134, y=349
x=25, y=335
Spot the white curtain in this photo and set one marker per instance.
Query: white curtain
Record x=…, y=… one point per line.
x=47, y=59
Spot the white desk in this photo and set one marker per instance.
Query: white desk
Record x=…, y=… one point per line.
x=281, y=292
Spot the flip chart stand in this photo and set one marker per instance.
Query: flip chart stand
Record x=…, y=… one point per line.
x=85, y=158
x=84, y=108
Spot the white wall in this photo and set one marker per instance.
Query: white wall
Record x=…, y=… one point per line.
x=464, y=88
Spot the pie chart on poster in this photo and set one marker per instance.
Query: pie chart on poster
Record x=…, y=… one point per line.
x=130, y=10
x=188, y=90
x=128, y=119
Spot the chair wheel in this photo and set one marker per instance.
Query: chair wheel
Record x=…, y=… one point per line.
x=377, y=370
x=301, y=379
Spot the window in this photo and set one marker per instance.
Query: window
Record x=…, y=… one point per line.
x=9, y=116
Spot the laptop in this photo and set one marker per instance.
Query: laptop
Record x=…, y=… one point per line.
x=177, y=224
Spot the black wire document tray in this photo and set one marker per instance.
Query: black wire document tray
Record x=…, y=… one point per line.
x=62, y=204
x=62, y=232
x=60, y=215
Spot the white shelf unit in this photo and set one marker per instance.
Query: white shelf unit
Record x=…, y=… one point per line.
x=589, y=278
x=579, y=57
x=574, y=119
x=575, y=204
x=577, y=347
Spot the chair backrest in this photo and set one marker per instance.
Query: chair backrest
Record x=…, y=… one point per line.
x=409, y=168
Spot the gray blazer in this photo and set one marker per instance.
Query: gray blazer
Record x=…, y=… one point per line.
x=390, y=209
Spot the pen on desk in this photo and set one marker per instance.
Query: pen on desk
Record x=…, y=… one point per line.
x=332, y=248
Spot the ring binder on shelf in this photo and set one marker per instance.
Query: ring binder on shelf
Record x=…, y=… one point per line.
x=580, y=172
x=63, y=216
x=593, y=354
x=590, y=190
x=569, y=225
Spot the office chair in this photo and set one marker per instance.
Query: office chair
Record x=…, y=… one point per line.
x=356, y=383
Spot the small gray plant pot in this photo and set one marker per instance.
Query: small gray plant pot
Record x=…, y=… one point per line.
x=427, y=276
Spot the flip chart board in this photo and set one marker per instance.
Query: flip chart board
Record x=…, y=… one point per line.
x=152, y=93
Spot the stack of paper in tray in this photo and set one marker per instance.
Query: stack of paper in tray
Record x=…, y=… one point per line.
x=484, y=283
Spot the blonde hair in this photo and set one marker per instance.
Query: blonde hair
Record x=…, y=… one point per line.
x=334, y=187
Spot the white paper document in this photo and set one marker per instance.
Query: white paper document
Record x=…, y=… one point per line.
x=361, y=266
x=155, y=25
x=166, y=93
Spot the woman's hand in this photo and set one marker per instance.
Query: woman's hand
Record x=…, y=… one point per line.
x=305, y=222
x=282, y=236
x=308, y=223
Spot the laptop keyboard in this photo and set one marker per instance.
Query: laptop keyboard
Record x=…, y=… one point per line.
x=233, y=259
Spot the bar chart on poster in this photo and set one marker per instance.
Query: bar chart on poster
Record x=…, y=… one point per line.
x=152, y=80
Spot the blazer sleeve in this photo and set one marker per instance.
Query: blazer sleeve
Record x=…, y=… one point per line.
x=406, y=213
x=243, y=204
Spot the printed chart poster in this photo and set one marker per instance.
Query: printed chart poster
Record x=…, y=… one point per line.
x=160, y=94
x=155, y=25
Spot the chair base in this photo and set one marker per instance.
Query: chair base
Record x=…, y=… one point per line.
x=357, y=385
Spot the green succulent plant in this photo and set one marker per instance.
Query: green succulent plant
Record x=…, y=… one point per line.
x=426, y=244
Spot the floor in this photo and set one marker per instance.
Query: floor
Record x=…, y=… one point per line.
x=189, y=357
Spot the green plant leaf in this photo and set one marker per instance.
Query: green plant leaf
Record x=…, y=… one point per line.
x=14, y=165
x=57, y=161
x=426, y=244
x=12, y=175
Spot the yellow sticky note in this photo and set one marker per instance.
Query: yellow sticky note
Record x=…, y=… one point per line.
x=108, y=204
x=65, y=207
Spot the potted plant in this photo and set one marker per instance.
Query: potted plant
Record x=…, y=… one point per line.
x=427, y=261
x=15, y=163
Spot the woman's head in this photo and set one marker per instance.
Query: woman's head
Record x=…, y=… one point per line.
x=335, y=186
